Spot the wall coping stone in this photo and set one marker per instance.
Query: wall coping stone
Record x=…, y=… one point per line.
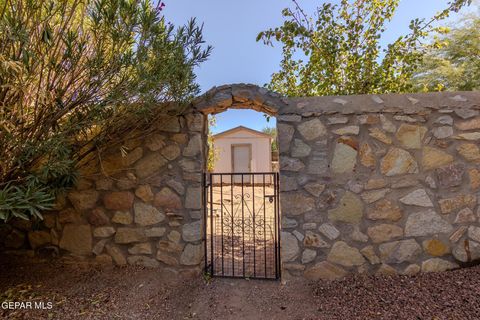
x=250, y=96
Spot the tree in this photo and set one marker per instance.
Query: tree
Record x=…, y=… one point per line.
x=453, y=60
x=338, y=51
x=75, y=74
x=272, y=132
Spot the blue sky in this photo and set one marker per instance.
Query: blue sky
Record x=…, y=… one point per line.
x=231, y=28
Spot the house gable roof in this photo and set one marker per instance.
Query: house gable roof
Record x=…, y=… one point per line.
x=241, y=128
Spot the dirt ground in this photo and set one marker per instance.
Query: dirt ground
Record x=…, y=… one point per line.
x=80, y=292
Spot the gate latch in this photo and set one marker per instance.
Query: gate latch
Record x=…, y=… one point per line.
x=270, y=198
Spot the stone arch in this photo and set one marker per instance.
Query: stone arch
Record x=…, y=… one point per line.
x=242, y=96
x=239, y=96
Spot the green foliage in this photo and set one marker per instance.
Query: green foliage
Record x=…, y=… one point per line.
x=207, y=277
x=453, y=59
x=338, y=52
x=212, y=152
x=76, y=74
x=25, y=201
x=271, y=131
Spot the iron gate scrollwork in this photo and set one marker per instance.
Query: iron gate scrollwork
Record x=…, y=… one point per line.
x=241, y=225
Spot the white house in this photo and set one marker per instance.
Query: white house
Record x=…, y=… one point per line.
x=242, y=150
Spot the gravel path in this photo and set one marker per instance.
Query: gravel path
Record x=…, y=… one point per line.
x=79, y=291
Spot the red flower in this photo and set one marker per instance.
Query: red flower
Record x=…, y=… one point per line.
x=160, y=5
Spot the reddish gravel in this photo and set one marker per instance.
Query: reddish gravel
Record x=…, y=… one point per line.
x=79, y=291
x=447, y=295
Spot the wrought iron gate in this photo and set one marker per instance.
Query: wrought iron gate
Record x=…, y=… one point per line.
x=241, y=225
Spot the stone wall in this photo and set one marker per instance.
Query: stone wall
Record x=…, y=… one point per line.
x=371, y=183
x=384, y=184
x=142, y=206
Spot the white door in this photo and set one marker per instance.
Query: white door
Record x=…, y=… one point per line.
x=241, y=157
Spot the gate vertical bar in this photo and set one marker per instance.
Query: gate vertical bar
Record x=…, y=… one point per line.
x=243, y=232
x=205, y=218
x=264, y=228
x=212, y=228
x=279, y=223
x=253, y=218
x=275, y=193
x=231, y=214
x=221, y=219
